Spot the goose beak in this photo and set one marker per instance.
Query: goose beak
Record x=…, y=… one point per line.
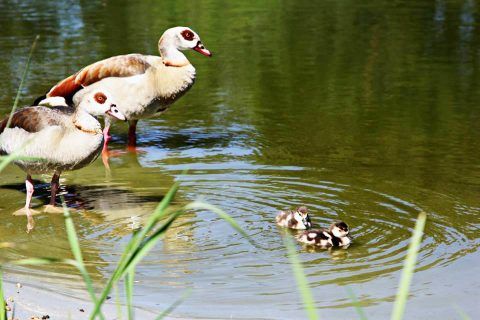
x=116, y=113
x=201, y=49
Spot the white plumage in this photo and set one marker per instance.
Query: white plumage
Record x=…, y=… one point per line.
x=60, y=138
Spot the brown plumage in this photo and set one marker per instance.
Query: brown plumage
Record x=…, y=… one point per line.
x=30, y=119
x=118, y=66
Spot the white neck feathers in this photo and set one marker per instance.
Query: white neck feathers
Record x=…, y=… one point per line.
x=85, y=122
x=170, y=53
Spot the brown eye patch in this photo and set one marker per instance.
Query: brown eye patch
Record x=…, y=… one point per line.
x=100, y=97
x=187, y=35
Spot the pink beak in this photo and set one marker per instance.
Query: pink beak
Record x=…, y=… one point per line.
x=116, y=113
x=201, y=48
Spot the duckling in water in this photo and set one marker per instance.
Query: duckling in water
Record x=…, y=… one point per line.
x=339, y=231
x=335, y=236
x=298, y=219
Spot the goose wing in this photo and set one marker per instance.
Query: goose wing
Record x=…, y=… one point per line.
x=35, y=119
x=118, y=66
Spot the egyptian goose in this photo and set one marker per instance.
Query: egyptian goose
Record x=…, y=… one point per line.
x=62, y=138
x=146, y=85
x=335, y=236
x=294, y=219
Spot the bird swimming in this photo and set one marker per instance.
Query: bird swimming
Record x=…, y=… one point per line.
x=294, y=219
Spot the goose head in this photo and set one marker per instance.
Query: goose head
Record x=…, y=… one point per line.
x=101, y=103
x=179, y=39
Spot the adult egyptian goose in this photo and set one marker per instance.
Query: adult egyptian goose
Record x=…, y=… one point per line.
x=61, y=138
x=146, y=85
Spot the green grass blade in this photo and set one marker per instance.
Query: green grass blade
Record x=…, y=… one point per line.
x=356, y=304
x=159, y=213
x=462, y=313
x=24, y=76
x=6, y=160
x=409, y=268
x=42, y=261
x=16, y=155
x=132, y=246
x=174, y=305
x=77, y=252
x=302, y=283
x=150, y=242
x=3, y=310
x=129, y=292
x=198, y=205
x=117, y=302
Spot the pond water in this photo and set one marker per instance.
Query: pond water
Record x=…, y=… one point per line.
x=365, y=112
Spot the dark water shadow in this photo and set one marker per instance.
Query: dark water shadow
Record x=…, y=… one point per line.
x=185, y=139
x=87, y=197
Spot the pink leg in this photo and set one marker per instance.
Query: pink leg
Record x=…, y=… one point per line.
x=30, y=189
x=132, y=135
x=106, y=137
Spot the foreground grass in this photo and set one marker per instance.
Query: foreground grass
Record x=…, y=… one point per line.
x=409, y=268
x=302, y=282
x=136, y=249
x=24, y=76
x=3, y=311
x=5, y=160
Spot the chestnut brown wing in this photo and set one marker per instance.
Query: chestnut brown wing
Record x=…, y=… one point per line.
x=118, y=66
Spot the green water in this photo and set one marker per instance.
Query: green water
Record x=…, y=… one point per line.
x=363, y=111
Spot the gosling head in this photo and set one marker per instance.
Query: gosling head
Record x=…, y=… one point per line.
x=339, y=229
x=305, y=218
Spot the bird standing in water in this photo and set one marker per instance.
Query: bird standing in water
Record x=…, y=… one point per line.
x=56, y=139
x=145, y=84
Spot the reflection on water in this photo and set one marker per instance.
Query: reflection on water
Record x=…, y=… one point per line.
x=364, y=112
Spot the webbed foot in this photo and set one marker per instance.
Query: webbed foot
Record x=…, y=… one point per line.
x=26, y=212
x=52, y=209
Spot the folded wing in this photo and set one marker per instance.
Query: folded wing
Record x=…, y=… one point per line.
x=118, y=66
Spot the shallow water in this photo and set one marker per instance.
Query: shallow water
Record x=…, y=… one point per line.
x=363, y=112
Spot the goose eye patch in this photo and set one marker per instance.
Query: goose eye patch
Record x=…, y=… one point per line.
x=100, y=98
x=187, y=35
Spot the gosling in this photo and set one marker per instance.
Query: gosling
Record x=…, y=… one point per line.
x=335, y=236
x=294, y=219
